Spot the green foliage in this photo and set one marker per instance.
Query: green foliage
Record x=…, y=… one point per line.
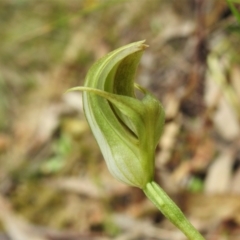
x=235, y=11
x=61, y=149
x=3, y=105
x=195, y=185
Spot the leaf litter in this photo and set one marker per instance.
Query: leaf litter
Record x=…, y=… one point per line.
x=53, y=181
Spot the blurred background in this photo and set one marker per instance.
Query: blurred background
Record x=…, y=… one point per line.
x=54, y=184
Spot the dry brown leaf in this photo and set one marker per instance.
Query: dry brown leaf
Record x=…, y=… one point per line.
x=76, y=185
x=223, y=115
x=235, y=183
x=211, y=210
x=218, y=89
x=16, y=227
x=235, y=77
x=199, y=162
x=173, y=26
x=167, y=143
x=145, y=229
x=4, y=142
x=219, y=173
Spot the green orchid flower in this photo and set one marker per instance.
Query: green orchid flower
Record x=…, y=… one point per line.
x=128, y=128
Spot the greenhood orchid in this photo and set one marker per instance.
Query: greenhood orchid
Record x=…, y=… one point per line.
x=127, y=129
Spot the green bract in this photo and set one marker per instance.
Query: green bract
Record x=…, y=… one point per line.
x=127, y=129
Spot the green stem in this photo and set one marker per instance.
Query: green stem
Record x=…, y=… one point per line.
x=170, y=210
x=234, y=9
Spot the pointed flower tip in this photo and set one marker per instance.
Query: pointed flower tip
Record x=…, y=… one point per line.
x=143, y=46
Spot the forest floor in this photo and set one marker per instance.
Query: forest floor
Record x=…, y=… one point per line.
x=54, y=183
